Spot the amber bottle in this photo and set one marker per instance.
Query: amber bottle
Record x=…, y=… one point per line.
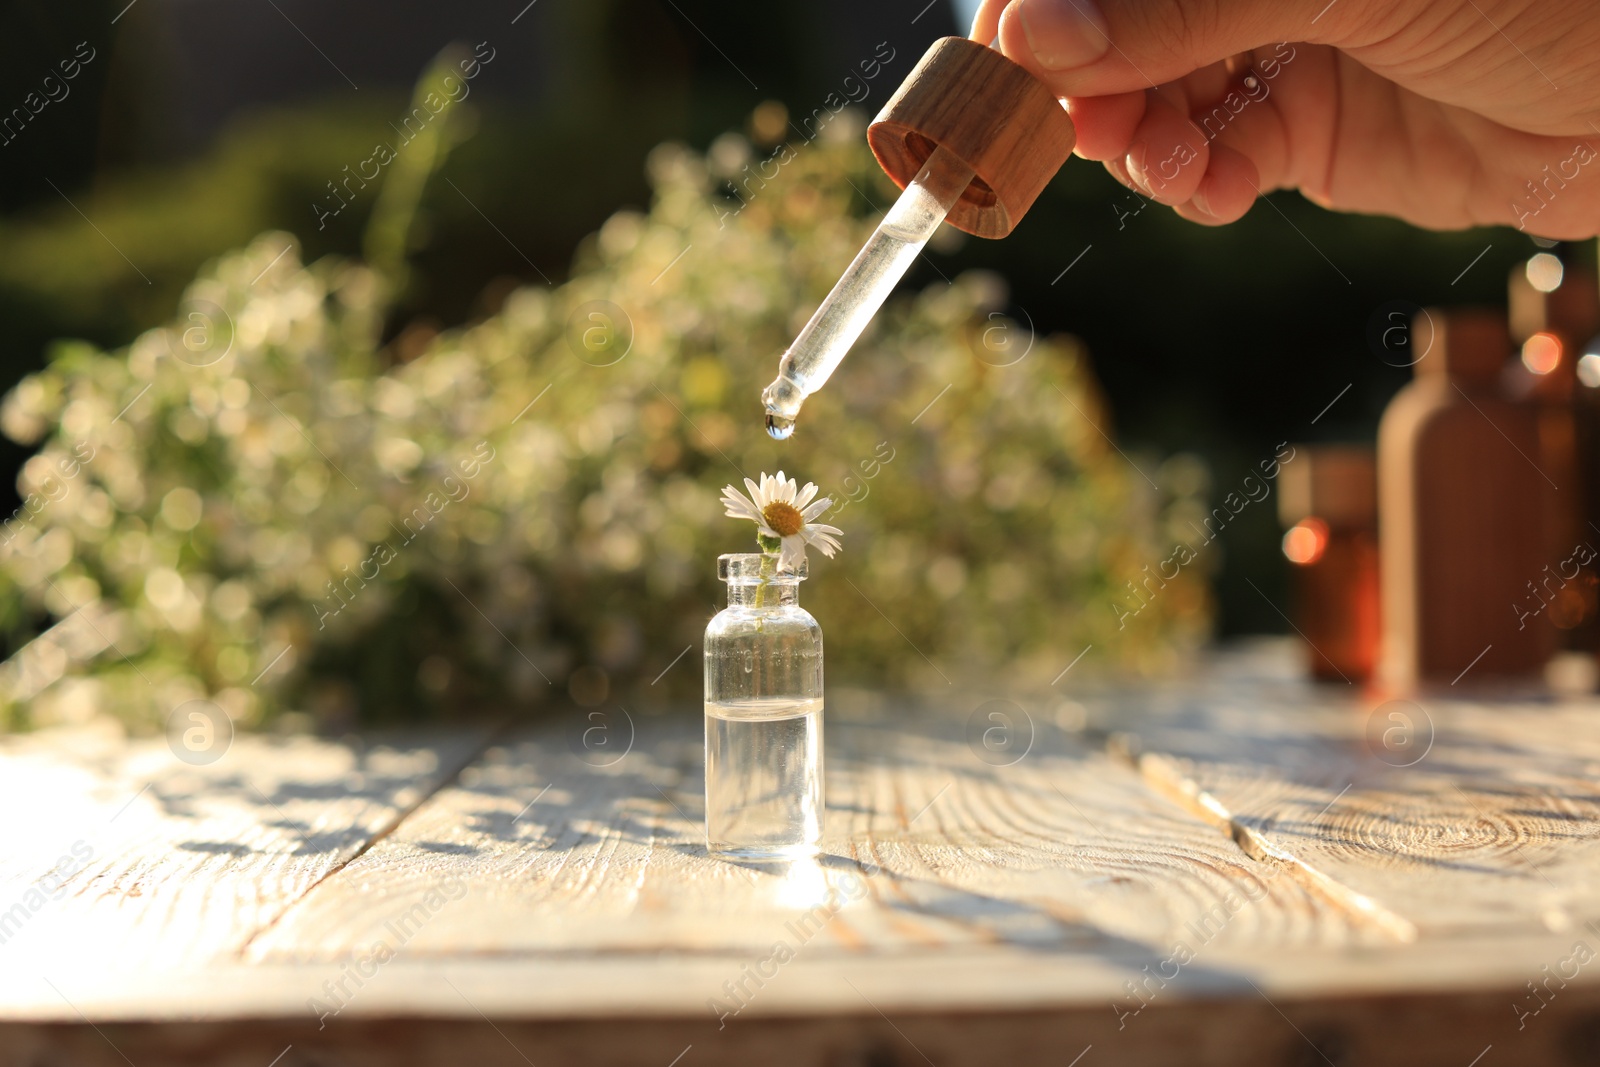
x=1555, y=308
x=1328, y=502
x=1462, y=505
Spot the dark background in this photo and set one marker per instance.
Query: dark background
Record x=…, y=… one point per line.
x=199, y=124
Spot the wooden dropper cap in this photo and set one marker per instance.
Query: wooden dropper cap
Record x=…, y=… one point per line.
x=1470, y=345
x=990, y=113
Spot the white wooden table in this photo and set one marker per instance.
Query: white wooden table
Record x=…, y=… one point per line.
x=1219, y=870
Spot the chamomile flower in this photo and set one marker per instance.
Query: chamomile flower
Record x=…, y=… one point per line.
x=782, y=512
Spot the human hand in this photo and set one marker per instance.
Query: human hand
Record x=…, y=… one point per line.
x=1445, y=113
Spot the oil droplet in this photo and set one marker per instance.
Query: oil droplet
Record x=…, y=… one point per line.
x=779, y=428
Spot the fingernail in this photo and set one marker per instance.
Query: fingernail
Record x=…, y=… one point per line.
x=1064, y=33
x=1200, y=202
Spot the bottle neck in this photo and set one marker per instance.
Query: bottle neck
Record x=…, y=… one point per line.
x=774, y=593
x=755, y=582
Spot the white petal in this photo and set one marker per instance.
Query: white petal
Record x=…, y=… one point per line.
x=737, y=505
x=825, y=542
x=805, y=495
x=825, y=537
x=794, y=553
x=755, y=492
x=817, y=508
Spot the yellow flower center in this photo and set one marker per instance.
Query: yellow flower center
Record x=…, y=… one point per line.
x=783, y=519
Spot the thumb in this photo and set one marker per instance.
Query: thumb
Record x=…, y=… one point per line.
x=1080, y=48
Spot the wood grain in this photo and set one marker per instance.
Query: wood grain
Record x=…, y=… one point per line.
x=1065, y=849
x=1487, y=818
x=993, y=115
x=119, y=850
x=543, y=908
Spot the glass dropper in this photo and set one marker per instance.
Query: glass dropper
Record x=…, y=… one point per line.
x=863, y=288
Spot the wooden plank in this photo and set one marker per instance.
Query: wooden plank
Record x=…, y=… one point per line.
x=1469, y=816
x=980, y=979
x=118, y=850
x=1467, y=1030
x=1042, y=900
x=1018, y=903
x=928, y=848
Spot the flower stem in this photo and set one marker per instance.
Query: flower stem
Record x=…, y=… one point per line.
x=769, y=565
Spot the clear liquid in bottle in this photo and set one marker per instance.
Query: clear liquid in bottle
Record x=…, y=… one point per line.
x=764, y=777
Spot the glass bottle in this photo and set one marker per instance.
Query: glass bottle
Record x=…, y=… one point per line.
x=1460, y=513
x=763, y=662
x=1328, y=499
x=1555, y=308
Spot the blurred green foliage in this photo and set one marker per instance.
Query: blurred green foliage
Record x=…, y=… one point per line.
x=267, y=504
x=1221, y=341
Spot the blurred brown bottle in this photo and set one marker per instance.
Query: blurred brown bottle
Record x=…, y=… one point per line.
x=1555, y=308
x=1328, y=500
x=1462, y=506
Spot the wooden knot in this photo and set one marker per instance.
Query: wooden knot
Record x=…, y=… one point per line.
x=991, y=113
